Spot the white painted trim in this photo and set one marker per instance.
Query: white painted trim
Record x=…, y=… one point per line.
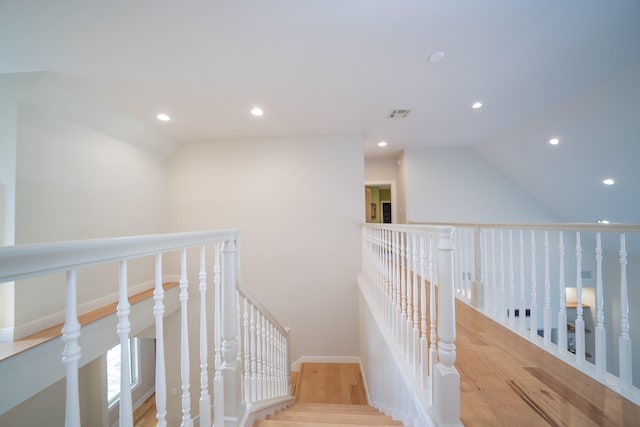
x=45, y=322
x=7, y=334
x=364, y=382
x=394, y=204
x=259, y=410
x=295, y=366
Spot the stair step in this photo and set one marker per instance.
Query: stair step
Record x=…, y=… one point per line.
x=283, y=423
x=335, y=418
x=333, y=407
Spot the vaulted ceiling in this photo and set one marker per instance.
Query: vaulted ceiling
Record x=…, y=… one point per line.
x=323, y=67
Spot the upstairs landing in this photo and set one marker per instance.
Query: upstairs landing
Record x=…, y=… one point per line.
x=508, y=381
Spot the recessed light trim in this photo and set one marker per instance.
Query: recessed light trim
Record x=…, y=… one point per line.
x=554, y=141
x=382, y=144
x=604, y=221
x=257, y=111
x=163, y=117
x=476, y=105
x=436, y=57
x=608, y=181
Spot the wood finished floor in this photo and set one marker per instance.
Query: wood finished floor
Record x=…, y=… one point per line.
x=508, y=381
x=339, y=383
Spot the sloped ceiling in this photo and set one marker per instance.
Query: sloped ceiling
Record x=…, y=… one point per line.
x=328, y=67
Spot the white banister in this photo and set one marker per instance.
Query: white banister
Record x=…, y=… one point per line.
x=424, y=360
x=72, y=352
x=494, y=290
x=124, y=329
x=233, y=343
x=184, y=343
x=415, y=359
x=626, y=372
x=433, y=354
x=205, y=399
x=161, y=376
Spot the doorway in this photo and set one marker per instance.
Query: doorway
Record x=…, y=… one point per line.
x=380, y=202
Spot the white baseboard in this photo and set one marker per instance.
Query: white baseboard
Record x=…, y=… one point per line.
x=7, y=333
x=45, y=322
x=259, y=410
x=295, y=366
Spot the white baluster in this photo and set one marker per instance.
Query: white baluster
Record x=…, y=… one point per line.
x=398, y=290
x=239, y=331
x=446, y=378
x=184, y=343
x=523, y=296
x=254, y=372
x=265, y=355
x=562, y=287
x=247, y=352
x=486, y=286
x=534, y=296
x=416, y=302
x=161, y=376
x=259, y=355
x=218, y=380
x=512, y=290
x=403, y=292
x=477, y=287
x=124, y=329
x=547, y=292
x=424, y=360
x=494, y=291
x=503, y=297
x=432, y=312
x=72, y=352
x=205, y=399
x=601, y=334
x=579, y=325
x=626, y=372
x=269, y=360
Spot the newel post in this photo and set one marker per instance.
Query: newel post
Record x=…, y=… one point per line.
x=477, y=288
x=446, y=392
x=231, y=365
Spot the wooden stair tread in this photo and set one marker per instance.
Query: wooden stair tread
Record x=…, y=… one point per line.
x=333, y=407
x=334, y=418
x=282, y=423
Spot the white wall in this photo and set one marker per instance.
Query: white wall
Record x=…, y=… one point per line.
x=299, y=203
x=75, y=183
x=457, y=185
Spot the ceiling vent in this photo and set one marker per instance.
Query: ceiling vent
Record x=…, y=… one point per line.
x=399, y=114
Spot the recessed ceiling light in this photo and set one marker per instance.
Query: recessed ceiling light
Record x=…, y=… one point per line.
x=603, y=221
x=436, y=57
x=608, y=181
x=382, y=144
x=476, y=105
x=163, y=117
x=257, y=111
x=554, y=141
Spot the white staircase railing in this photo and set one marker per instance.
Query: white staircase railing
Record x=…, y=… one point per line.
x=570, y=288
x=406, y=269
x=251, y=360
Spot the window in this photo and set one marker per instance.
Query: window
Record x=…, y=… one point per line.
x=113, y=370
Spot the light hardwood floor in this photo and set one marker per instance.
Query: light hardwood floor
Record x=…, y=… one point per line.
x=508, y=381
x=339, y=383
